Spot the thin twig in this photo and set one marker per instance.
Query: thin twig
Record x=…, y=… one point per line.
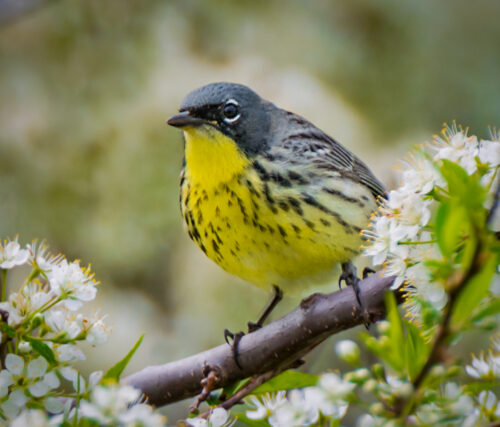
x=254, y=382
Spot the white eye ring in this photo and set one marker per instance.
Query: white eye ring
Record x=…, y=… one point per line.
x=232, y=119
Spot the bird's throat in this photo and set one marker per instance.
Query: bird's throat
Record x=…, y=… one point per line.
x=212, y=158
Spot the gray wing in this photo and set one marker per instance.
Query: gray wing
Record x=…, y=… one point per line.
x=310, y=145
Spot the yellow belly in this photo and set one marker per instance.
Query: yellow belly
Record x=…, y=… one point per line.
x=262, y=232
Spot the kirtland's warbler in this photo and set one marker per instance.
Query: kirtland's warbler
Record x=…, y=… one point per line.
x=267, y=195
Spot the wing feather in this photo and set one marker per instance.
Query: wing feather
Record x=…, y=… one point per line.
x=313, y=147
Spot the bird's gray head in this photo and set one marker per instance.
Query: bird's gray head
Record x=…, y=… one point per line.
x=233, y=109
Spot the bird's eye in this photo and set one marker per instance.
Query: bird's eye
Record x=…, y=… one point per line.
x=231, y=111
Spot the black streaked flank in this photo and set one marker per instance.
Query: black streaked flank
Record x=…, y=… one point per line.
x=313, y=202
x=280, y=179
x=270, y=200
x=295, y=204
x=283, y=205
x=308, y=223
x=261, y=171
x=298, y=178
x=242, y=209
x=344, y=197
x=216, y=247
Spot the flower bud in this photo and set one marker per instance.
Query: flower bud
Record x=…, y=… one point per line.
x=405, y=391
x=437, y=371
x=377, y=408
x=378, y=371
x=370, y=386
x=384, y=341
x=361, y=374
x=383, y=327
x=25, y=347
x=348, y=350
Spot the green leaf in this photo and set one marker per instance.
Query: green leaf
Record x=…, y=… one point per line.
x=475, y=290
x=251, y=423
x=114, y=373
x=43, y=350
x=86, y=422
x=456, y=177
x=477, y=387
x=9, y=330
x=230, y=389
x=416, y=350
x=286, y=381
x=451, y=225
x=395, y=333
x=491, y=308
x=462, y=186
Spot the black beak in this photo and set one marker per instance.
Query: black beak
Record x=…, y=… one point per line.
x=184, y=119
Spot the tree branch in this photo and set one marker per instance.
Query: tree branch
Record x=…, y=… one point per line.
x=276, y=345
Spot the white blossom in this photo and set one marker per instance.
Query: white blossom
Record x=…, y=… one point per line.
x=321, y=401
x=489, y=401
x=41, y=259
x=384, y=234
x=11, y=254
x=297, y=411
x=487, y=367
x=457, y=147
x=69, y=353
x=14, y=403
x=265, y=405
x=62, y=321
x=109, y=404
x=141, y=415
x=420, y=176
x=489, y=152
x=72, y=283
x=21, y=304
x=335, y=386
x=218, y=417
x=368, y=420
x=96, y=331
x=31, y=418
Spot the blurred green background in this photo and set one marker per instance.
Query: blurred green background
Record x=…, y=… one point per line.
x=87, y=162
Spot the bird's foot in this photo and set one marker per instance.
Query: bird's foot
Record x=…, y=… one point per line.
x=367, y=271
x=350, y=277
x=234, y=341
x=252, y=326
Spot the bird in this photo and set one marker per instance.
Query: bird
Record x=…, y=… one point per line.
x=267, y=195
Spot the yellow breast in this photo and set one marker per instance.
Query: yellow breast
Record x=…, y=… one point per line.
x=211, y=157
x=263, y=232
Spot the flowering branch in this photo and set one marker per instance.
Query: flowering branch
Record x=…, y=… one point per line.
x=278, y=344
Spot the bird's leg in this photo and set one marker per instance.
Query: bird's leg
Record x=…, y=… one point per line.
x=277, y=297
x=350, y=277
x=252, y=326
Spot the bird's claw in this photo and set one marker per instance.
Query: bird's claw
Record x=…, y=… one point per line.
x=234, y=343
x=349, y=276
x=367, y=271
x=252, y=326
